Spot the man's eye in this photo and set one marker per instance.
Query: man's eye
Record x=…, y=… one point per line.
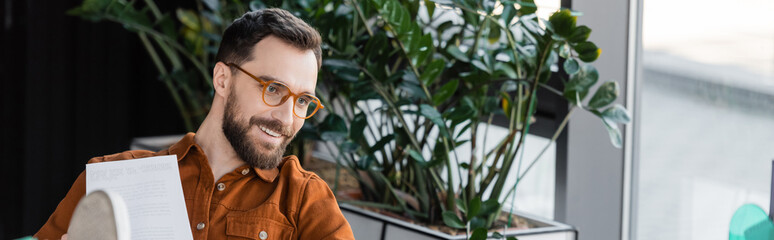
x=271, y=89
x=302, y=102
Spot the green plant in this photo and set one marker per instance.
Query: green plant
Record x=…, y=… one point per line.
x=398, y=73
x=427, y=72
x=182, y=44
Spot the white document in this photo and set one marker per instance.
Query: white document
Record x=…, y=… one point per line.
x=152, y=192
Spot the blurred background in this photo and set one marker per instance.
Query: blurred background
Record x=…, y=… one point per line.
x=72, y=90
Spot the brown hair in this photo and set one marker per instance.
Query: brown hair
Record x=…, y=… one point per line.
x=241, y=36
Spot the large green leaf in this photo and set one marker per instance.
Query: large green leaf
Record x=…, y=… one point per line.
x=379, y=3
x=527, y=6
x=613, y=132
x=413, y=89
x=577, y=88
x=480, y=65
x=463, y=111
x=349, y=147
x=571, y=66
x=564, y=50
x=461, y=205
x=457, y=53
x=189, y=19
x=494, y=33
x=376, y=45
x=580, y=34
x=478, y=234
x=357, y=127
x=563, y=22
x=344, y=69
x=422, y=49
x=379, y=145
x=507, y=69
x=432, y=71
x=583, y=79
x=509, y=11
x=90, y=9
x=617, y=114
x=605, y=95
x=477, y=222
x=435, y=117
x=397, y=16
x=417, y=156
x=446, y=91
x=430, y=6
x=473, y=207
x=587, y=51
x=411, y=39
x=450, y=219
x=509, y=86
x=488, y=207
x=333, y=128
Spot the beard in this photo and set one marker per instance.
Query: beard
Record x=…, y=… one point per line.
x=262, y=155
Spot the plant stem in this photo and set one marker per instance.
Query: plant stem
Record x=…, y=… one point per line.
x=171, y=42
x=496, y=191
x=166, y=79
x=553, y=139
x=362, y=18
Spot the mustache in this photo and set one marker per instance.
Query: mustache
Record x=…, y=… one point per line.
x=273, y=125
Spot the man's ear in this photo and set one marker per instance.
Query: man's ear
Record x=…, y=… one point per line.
x=221, y=79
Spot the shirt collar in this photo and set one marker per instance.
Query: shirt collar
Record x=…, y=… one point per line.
x=184, y=146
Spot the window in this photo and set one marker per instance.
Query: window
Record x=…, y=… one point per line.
x=707, y=116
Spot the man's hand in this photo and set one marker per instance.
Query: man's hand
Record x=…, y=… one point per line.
x=64, y=237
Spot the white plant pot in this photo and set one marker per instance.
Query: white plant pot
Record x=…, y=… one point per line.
x=367, y=225
x=154, y=143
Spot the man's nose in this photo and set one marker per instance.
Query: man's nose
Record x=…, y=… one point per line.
x=284, y=112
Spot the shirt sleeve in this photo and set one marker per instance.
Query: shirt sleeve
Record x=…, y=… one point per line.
x=319, y=213
x=59, y=221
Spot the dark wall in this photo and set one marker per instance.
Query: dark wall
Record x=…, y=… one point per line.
x=70, y=90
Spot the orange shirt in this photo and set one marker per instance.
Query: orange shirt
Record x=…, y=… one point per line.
x=286, y=202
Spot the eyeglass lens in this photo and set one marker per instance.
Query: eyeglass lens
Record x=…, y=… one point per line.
x=276, y=94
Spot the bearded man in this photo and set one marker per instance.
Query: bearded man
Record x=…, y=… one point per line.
x=236, y=182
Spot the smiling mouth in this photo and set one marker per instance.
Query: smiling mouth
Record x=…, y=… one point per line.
x=270, y=132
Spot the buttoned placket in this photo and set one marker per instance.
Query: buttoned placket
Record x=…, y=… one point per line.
x=214, y=192
x=202, y=205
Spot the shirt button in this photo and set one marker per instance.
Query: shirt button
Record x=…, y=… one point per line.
x=200, y=226
x=221, y=186
x=245, y=171
x=263, y=235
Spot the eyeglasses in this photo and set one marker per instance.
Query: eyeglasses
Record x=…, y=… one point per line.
x=276, y=93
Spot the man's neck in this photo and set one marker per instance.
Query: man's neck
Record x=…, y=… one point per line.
x=220, y=155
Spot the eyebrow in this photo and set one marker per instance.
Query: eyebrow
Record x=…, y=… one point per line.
x=272, y=78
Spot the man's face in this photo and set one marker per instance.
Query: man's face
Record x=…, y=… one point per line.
x=249, y=124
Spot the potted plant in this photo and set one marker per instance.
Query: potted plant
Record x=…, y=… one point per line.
x=404, y=78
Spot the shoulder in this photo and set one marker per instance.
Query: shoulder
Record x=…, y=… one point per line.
x=301, y=181
x=126, y=155
x=291, y=167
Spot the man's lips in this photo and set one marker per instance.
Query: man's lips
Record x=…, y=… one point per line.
x=269, y=131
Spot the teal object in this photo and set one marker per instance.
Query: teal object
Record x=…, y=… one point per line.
x=750, y=222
